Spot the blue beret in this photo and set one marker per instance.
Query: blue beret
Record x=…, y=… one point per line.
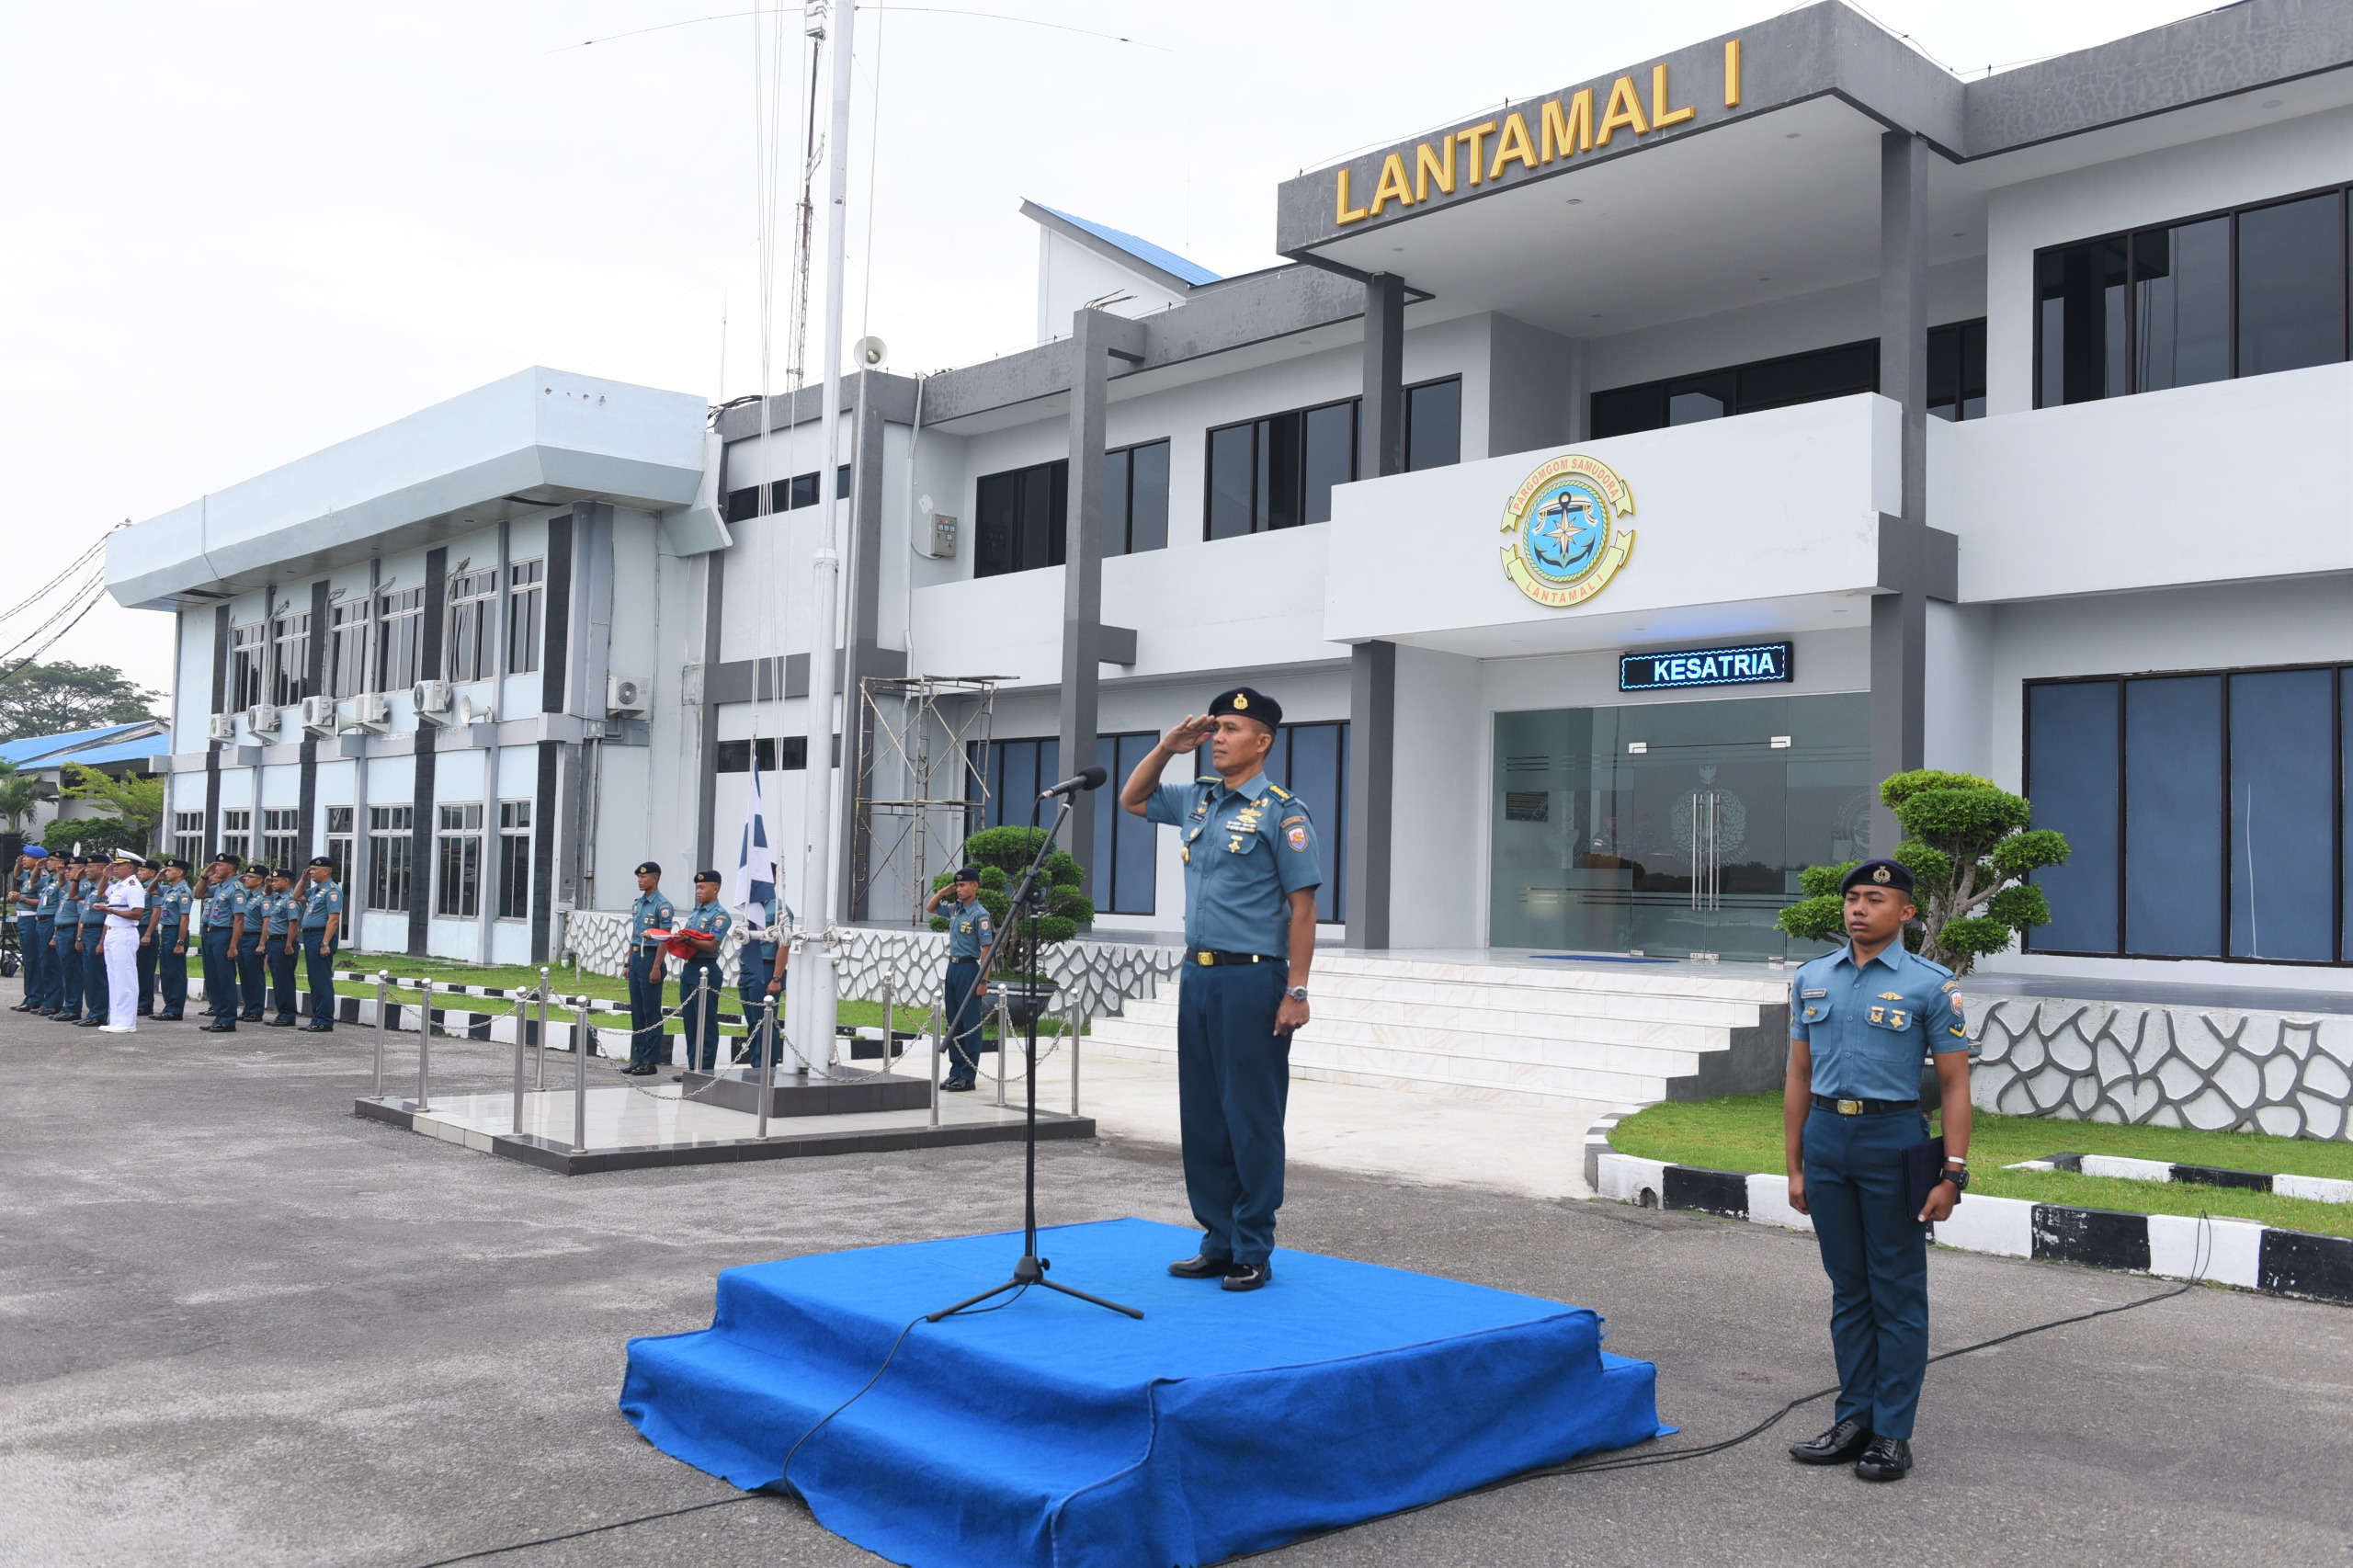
x=1889, y=874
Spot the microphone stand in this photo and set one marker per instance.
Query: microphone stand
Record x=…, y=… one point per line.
x=1031, y=1269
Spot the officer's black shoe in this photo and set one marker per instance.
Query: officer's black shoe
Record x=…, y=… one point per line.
x=958, y=1086
x=1246, y=1275
x=90, y=1023
x=220, y=1026
x=1888, y=1458
x=169, y=1017
x=1200, y=1268
x=318, y=1028
x=1841, y=1443
x=249, y=1017
x=280, y=1023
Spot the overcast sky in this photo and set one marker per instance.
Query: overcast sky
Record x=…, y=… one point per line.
x=237, y=233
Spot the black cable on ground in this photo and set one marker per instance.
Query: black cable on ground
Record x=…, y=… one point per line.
x=1573, y=1466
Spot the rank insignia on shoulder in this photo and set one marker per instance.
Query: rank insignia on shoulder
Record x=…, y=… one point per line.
x=1279, y=793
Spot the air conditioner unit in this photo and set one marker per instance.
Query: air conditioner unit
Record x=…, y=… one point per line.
x=319, y=715
x=624, y=694
x=434, y=702
x=221, y=727
x=372, y=710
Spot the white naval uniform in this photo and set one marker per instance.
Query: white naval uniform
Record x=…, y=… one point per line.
x=126, y=904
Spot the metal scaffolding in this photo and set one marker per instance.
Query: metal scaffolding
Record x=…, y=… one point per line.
x=933, y=732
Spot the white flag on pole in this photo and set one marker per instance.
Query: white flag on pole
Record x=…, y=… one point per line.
x=754, y=882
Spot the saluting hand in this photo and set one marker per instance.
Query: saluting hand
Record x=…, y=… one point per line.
x=1187, y=732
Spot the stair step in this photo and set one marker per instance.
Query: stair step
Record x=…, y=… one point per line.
x=1575, y=1084
x=1400, y=1021
x=1435, y=1048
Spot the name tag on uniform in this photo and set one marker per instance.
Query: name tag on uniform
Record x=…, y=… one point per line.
x=1810, y=995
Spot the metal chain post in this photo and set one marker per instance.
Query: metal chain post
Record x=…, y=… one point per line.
x=424, y=1050
x=889, y=987
x=522, y=1044
x=936, y=1022
x=383, y=1021
x=542, y=1075
x=1072, y=1025
x=1004, y=1035
x=580, y=1079
x=767, y=1047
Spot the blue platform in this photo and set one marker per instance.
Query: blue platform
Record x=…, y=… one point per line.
x=1053, y=1434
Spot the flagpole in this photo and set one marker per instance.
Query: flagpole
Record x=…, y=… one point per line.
x=810, y=991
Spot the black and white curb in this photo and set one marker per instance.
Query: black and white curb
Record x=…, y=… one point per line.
x=2320, y=1189
x=2235, y=1251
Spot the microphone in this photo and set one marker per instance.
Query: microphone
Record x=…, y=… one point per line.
x=1090, y=779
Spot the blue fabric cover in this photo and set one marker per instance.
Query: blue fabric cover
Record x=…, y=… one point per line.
x=1055, y=1432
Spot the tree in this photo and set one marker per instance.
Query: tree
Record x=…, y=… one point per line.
x=53, y=700
x=95, y=835
x=135, y=797
x=1968, y=848
x=18, y=796
x=1003, y=853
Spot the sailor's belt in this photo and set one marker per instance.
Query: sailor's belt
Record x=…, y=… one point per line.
x=1211, y=956
x=1864, y=1107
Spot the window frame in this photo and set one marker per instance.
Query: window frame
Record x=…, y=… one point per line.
x=515, y=839
x=470, y=626
x=1126, y=500
x=282, y=828
x=1662, y=388
x=237, y=827
x=456, y=859
x=392, y=856
x=2342, y=674
x=248, y=675
x=342, y=857
x=1056, y=478
x=406, y=605
x=1406, y=425
x=290, y=657
x=188, y=836
x=2342, y=191
x=1258, y=524
x=526, y=602
x=350, y=621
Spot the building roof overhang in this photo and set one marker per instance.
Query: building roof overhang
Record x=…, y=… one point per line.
x=537, y=439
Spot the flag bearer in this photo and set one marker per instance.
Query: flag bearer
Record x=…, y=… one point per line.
x=1251, y=871
x=223, y=906
x=1861, y=1019
x=698, y=978
x=759, y=977
x=652, y=912
x=321, y=924
x=968, y=937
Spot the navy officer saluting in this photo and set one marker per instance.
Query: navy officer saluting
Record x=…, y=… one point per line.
x=968, y=939
x=1251, y=872
x=1859, y=1020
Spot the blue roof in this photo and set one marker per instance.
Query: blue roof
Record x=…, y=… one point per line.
x=1168, y=261
x=89, y=746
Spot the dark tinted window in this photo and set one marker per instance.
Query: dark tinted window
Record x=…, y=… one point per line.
x=2071, y=753
x=2283, y=788
x=1809, y=378
x=1232, y=460
x=2291, y=286
x=1621, y=411
x=1957, y=371
x=1019, y=518
x=2172, y=816
x=1742, y=389
x=2181, y=305
x=1433, y=425
x=1148, y=497
x=785, y=754
x=1331, y=456
x=1277, y=471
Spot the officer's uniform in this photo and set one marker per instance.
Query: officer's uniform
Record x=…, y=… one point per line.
x=968, y=937
x=253, y=965
x=223, y=902
x=652, y=912
x=321, y=901
x=66, y=921
x=1246, y=851
x=755, y=967
x=280, y=910
x=1867, y=1026
x=174, y=903
x=123, y=910
x=701, y=981
x=96, y=992
x=53, y=986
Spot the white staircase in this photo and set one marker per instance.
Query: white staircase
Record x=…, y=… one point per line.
x=1534, y=1034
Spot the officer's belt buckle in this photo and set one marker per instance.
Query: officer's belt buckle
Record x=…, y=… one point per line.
x=1206, y=957
x=1850, y=1107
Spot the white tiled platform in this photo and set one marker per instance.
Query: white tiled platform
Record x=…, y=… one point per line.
x=1515, y=1028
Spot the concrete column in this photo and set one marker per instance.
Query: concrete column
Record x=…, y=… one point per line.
x=1373, y=666
x=862, y=654
x=1094, y=338
x=1900, y=613
x=1372, y=743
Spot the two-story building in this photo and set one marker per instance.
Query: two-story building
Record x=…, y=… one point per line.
x=1612, y=489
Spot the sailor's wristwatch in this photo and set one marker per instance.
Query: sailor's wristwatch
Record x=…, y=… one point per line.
x=1297, y=992
x=1957, y=1173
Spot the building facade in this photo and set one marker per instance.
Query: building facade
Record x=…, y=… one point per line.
x=1612, y=489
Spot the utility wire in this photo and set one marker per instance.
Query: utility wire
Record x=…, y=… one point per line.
x=928, y=10
x=43, y=591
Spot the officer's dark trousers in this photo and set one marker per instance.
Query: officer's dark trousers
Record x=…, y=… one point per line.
x=281, y=978
x=220, y=975
x=40, y=962
x=93, y=974
x=699, y=986
x=752, y=990
x=142, y=963
x=67, y=950
x=965, y=1012
x=1876, y=1252
x=647, y=1044
x=253, y=973
x=318, y=973
x=1233, y=1082
x=171, y=972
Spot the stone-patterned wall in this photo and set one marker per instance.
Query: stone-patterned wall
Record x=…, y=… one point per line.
x=2284, y=1074
x=1105, y=973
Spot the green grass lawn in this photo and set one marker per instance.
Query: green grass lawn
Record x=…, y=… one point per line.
x=907, y=1016
x=1742, y=1133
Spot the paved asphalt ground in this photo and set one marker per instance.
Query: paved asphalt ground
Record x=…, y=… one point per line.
x=240, y=1327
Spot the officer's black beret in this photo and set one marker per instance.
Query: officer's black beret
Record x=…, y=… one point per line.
x=1889, y=874
x=322, y=860
x=225, y=859
x=175, y=860
x=1245, y=702
x=968, y=874
x=645, y=865
x=286, y=872
x=708, y=877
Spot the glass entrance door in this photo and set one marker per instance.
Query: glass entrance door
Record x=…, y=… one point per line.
x=1672, y=829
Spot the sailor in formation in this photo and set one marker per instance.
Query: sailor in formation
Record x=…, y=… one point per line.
x=652, y=910
x=170, y=905
x=1251, y=871
x=280, y=909
x=96, y=998
x=966, y=999
x=321, y=924
x=253, y=964
x=699, y=981
x=223, y=909
x=24, y=907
